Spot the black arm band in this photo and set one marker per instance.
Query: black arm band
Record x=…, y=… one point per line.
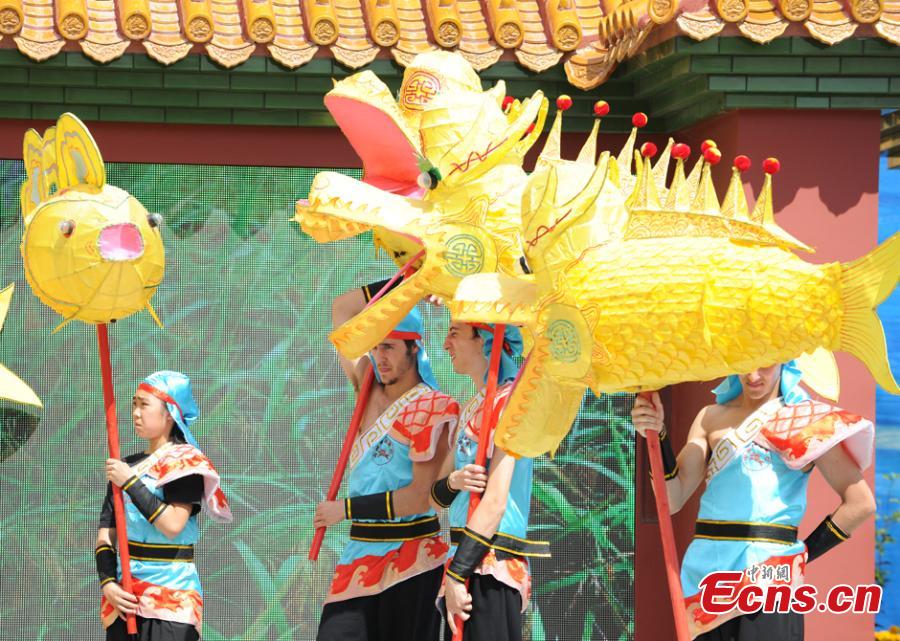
x=670, y=463
x=371, y=506
x=373, y=288
x=442, y=493
x=826, y=536
x=469, y=553
x=105, y=557
x=150, y=505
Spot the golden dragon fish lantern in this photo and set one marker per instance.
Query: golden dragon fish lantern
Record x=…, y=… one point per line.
x=91, y=251
x=670, y=286
x=443, y=176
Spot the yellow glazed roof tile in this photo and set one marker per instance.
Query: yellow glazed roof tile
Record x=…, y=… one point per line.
x=589, y=37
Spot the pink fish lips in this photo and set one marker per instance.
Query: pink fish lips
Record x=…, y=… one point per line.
x=121, y=242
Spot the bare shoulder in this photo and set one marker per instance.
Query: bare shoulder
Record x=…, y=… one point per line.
x=714, y=417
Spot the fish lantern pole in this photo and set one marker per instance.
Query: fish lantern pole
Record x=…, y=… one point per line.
x=112, y=441
x=91, y=252
x=666, y=531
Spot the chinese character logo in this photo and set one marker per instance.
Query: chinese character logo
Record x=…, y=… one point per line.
x=464, y=255
x=419, y=90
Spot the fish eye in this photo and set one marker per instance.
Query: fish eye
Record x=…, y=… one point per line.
x=66, y=227
x=425, y=181
x=155, y=219
x=523, y=262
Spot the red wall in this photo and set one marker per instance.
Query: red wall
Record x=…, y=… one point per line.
x=827, y=195
x=202, y=144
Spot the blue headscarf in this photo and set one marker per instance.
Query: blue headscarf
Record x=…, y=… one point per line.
x=174, y=389
x=791, y=392
x=412, y=328
x=512, y=348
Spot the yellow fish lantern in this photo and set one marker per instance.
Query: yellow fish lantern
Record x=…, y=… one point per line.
x=465, y=211
x=687, y=289
x=13, y=388
x=91, y=251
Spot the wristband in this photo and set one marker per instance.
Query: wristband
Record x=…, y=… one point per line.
x=469, y=554
x=442, y=493
x=826, y=536
x=373, y=288
x=105, y=558
x=670, y=463
x=370, y=506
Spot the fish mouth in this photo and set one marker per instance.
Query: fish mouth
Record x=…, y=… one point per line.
x=386, y=140
x=122, y=242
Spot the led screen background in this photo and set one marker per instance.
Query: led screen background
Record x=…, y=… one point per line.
x=246, y=306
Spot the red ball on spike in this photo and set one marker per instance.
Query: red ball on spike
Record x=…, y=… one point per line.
x=639, y=119
x=742, y=163
x=507, y=102
x=771, y=166
x=680, y=151
x=648, y=150
x=601, y=108
x=563, y=102
x=712, y=155
x=706, y=144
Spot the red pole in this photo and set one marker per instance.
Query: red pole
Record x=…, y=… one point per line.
x=358, y=411
x=666, y=532
x=485, y=434
x=338, y=476
x=112, y=438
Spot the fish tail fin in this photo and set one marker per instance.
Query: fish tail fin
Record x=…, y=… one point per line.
x=865, y=283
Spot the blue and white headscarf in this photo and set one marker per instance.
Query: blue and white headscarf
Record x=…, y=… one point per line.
x=512, y=348
x=412, y=328
x=791, y=392
x=174, y=389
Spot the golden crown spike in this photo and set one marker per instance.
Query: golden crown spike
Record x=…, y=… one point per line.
x=688, y=205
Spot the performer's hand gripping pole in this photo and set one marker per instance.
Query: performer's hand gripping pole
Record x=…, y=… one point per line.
x=486, y=432
x=666, y=533
x=112, y=438
x=362, y=400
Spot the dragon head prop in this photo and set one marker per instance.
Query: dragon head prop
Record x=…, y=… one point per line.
x=442, y=185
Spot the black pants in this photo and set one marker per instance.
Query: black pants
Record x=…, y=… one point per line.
x=760, y=626
x=403, y=612
x=153, y=630
x=496, y=612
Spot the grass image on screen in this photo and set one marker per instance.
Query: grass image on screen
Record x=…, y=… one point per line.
x=246, y=305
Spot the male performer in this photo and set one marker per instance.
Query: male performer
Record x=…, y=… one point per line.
x=386, y=580
x=756, y=447
x=490, y=550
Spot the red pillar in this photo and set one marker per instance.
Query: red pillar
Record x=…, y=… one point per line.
x=827, y=195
